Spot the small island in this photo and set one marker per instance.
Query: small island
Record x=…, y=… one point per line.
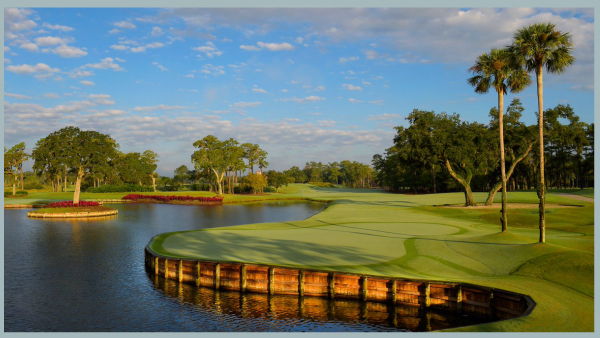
x=68, y=209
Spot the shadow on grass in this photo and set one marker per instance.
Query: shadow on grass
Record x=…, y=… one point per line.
x=409, y=236
x=230, y=247
x=403, y=204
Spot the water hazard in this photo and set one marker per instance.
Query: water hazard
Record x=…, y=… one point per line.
x=89, y=275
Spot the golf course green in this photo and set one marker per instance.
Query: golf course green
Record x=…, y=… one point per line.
x=373, y=232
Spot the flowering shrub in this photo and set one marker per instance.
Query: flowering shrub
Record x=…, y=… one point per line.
x=70, y=204
x=135, y=197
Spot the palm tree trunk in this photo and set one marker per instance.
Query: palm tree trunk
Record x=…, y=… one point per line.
x=496, y=187
x=504, y=217
x=541, y=188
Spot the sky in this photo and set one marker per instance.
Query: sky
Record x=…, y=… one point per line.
x=306, y=84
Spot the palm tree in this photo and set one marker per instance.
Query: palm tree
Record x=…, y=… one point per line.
x=499, y=70
x=536, y=46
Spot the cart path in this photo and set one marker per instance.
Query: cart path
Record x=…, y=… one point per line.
x=577, y=197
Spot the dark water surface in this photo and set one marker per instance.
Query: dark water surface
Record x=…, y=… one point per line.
x=89, y=275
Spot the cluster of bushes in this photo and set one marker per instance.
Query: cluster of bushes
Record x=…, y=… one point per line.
x=135, y=197
x=323, y=184
x=70, y=204
x=200, y=187
x=120, y=188
x=31, y=182
x=18, y=193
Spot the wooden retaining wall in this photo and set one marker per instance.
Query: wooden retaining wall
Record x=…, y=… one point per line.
x=456, y=297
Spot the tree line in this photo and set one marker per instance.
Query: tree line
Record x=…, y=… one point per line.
x=348, y=173
x=471, y=155
x=442, y=153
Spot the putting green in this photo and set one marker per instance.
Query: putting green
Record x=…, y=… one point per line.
x=372, y=232
x=326, y=245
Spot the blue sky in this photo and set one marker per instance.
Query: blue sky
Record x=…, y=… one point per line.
x=305, y=84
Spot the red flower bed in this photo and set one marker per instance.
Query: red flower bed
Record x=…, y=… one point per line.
x=70, y=204
x=160, y=198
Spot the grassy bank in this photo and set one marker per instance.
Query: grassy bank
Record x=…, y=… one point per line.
x=372, y=232
x=71, y=210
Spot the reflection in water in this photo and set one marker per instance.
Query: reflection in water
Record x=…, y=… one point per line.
x=255, y=312
x=89, y=275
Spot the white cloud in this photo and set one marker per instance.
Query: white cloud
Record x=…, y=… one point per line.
x=209, y=50
x=99, y=96
x=148, y=46
x=320, y=88
x=246, y=104
x=352, y=100
x=87, y=83
x=6, y=49
x=371, y=54
x=212, y=69
x=249, y=48
x=52, y=95
x=378, y=102
x=17, y=96
x=276, y=46
x=80, y=73
x=351, y=87
x=16, y=20
x=312, y=98
x=58, y=27
x=32, y=47
x=106, y=63
x=299, y=40
x=124, y=24
x=366, y=83
x=28, y=69
x=51, y=41
x=384, y=117
x=108, y=113
x=69, y=52
x=119, y=47
x=189, y=75
x=352, y=58
x=114, y=31
x=326, y=123
x=161, y=67
x=159, y=107
x=259, y=90
x=156, y=31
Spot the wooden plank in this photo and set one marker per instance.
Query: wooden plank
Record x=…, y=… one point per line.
x=513, y=312
x=271, y=280
x=472, y=302
x=364, y=288
x=331, y=286
x=180, y=271
x=301, y=283
x=516, y=298
x=217, y=276
x=243, y=278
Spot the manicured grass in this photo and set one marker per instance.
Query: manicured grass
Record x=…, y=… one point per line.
x=369, y=231
x=588, y=192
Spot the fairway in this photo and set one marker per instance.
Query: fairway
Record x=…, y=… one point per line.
x=373, y=232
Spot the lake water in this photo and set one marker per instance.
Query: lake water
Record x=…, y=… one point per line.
x=89, y=275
